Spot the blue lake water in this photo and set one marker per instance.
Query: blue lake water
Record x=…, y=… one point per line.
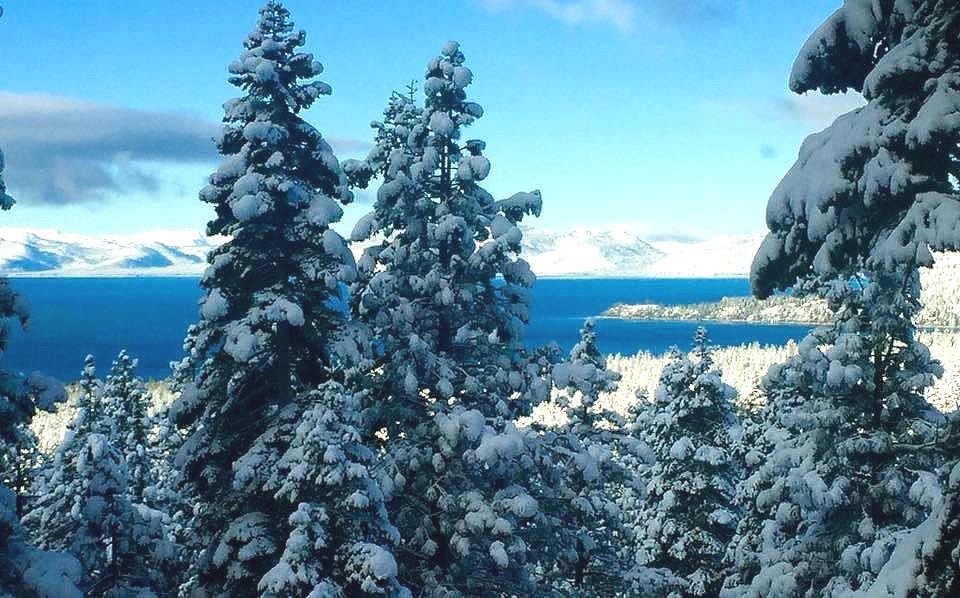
x=72, y=317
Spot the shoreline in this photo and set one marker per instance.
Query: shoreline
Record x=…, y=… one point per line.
x=606, y=315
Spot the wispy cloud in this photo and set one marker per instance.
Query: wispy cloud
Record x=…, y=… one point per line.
x=812, y=110
x=623, y=15
x=64, y=150
x=816, y=109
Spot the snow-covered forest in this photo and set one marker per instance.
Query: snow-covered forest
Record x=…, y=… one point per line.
x=939, y=309
x=378, y=427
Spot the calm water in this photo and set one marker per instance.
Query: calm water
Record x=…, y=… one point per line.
x=149, y=316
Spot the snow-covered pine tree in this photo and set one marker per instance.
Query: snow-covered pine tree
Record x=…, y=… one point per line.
x=103, y=536
x=75, y=509
x=269, y=326
x=327, y=473
x=119, y=546
x=930, y=567
x=396, y=136
x=835, y=482
x=446, y=296
x=869, y=198
x=584, y=376
x=167, y=438
x=637, y=458
x=19, y=464
x=90, y=415
x=878, y=188
x=164, y=516
x=154, y=513
x=55, y=518
x=125, y=401
x=582, y=476
x=21, y=460
x=687, y=519
x=23, y=568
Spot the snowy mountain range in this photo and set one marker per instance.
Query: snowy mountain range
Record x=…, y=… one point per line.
x=580, y=252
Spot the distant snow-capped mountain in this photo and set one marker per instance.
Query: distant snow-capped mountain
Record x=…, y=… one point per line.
x=718, y=256
x=49, y=252
x=580, y=252
x=584, y=252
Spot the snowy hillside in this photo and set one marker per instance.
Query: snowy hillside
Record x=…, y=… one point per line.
x=581, y=252
x=717, y=256
x=619, y=253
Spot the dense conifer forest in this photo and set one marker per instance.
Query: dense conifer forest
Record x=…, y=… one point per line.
x=379, y=427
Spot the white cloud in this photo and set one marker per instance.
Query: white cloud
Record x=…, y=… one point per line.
x=617, y=13
x=623, y=15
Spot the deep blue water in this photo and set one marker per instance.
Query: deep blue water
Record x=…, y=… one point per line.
x=72, y=317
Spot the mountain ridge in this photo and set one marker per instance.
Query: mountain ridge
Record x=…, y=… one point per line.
x=581, y=252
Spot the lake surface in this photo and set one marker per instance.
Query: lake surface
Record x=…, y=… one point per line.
x=72, y=317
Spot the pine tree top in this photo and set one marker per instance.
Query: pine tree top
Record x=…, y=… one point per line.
x=271, y=67
x=701, y=345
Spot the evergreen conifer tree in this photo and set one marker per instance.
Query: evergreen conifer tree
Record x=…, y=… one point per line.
x=877, y=189
x=834, y=483
x=580, y=457
x=270, y=329
x=445, y=297
x=686, y=520
x=56, y=516
x=125, y=399
x=868, y=200
x=20, y=463
x=327, y=472
x=102, y=538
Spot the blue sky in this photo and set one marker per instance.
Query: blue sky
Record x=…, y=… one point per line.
x=671, y=117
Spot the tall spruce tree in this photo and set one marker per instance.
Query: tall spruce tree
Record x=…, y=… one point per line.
x=269, y=327
x=686, y=519
x=868, y=200
x=446, y=296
